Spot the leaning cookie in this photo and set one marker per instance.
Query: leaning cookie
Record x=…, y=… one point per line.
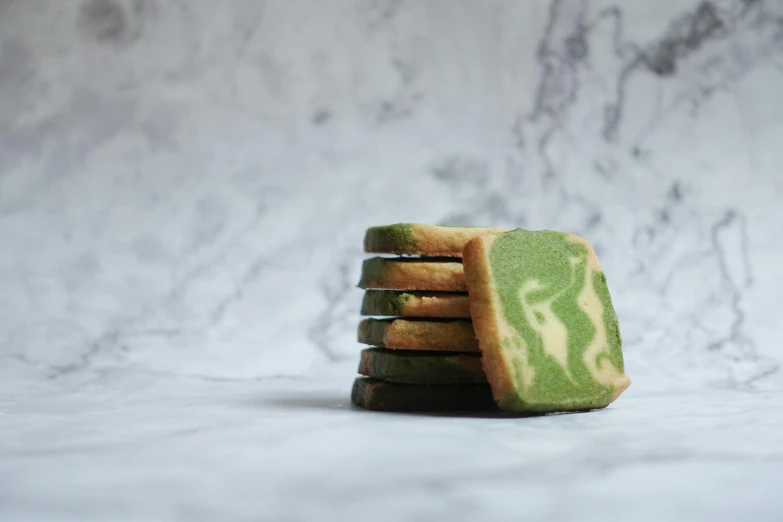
x=415, y=304
x=378, y=395
x=420, y=239
x=548, y=332
x=413, y=367
x=406, y=334
x=413, y=274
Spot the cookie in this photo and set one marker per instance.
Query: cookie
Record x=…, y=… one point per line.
x=548, y=332
x=378, y=395
x=423, y=240
x=407, y=334
x=415, y=304
x=413, y=274
x=412, y=367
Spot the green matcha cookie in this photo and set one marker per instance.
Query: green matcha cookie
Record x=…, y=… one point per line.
x=413, y=274
x=423, y=240
x=412, y=367
x=415, y=304
x=548, y=332
x=378, y=395
x=407, y=334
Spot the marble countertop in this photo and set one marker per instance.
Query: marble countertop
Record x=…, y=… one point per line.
x=148, y=447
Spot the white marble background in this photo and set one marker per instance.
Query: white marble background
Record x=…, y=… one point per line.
x=184, y=186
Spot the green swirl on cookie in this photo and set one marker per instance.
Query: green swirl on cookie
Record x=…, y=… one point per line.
x=553, y=294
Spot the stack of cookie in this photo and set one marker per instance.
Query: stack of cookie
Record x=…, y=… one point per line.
x=425, y=354
x=478, y=319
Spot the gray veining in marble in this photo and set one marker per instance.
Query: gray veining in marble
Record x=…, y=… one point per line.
x=183, y=192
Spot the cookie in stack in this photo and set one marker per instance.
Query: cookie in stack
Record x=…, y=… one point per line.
x=549, y=335
x=424, y=355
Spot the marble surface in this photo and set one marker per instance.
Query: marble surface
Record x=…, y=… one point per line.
x=183, y=192
x=142, y=448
